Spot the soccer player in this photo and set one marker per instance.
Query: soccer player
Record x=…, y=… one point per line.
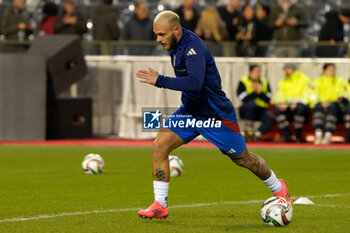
x=202, y=99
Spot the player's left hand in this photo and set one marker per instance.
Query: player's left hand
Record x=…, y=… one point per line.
x=149, y=76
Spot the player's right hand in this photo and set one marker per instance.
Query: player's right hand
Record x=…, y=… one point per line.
x=149, y=76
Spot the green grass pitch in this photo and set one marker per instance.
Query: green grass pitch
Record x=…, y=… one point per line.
x=48, y=182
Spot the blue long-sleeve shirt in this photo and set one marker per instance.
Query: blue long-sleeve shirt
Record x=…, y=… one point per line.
x=196, y=76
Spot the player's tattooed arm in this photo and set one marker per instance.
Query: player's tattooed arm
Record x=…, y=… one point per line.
x=159, y=175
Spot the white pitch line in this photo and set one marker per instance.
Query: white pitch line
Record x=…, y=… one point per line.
x=65, y=214
x=21, y=219
x=330, y=195
x=333, y=206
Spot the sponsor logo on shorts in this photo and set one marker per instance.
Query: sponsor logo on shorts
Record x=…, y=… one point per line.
x=232, y=151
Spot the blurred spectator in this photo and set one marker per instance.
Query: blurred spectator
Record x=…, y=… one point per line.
x=333, y=31
x=263, y=31
x=255, y=93
x=229, y=14
x=347, y=113
x=50, y=11
x=210, y=26
x=287, y=19
x=292, y=101
x=140, y=26
x=105, y=25
x=246, y=32
x=15, y=22
x=329, y=90
x=70, y=20
x=188, y=14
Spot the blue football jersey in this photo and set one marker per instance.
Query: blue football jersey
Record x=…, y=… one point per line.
x=197, y=77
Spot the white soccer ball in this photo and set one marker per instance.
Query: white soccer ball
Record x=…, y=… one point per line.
x=176, y=166
x=277, y=211
x=93, y=164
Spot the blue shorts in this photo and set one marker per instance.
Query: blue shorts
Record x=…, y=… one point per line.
x=223, y=131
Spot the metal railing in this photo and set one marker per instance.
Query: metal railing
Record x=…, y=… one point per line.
x=223, y=49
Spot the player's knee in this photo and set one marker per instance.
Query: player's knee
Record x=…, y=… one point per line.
x=160, y=150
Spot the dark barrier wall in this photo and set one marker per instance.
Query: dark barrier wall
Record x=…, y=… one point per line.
x=70, y=118
x=22, y=97
x=64, y=59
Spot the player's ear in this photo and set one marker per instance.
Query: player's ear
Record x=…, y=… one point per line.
x=177, y=30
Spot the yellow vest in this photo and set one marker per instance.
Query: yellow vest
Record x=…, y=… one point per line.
x=249, y=89
x=329, y=89
x=294, y=89
x=347, y=87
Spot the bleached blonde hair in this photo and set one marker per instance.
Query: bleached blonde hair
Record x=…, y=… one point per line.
x=169, y=17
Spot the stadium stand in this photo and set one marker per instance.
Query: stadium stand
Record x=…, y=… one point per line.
x=316, y=11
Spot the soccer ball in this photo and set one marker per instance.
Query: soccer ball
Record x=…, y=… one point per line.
x=176, y=166
x=277, y=211
x=93, y=164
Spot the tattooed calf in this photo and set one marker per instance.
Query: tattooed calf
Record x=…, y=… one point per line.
x=160, y=174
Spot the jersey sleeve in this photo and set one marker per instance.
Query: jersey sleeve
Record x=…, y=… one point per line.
x=195, y=66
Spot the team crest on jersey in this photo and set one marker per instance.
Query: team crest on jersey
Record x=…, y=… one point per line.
x=191, y=52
